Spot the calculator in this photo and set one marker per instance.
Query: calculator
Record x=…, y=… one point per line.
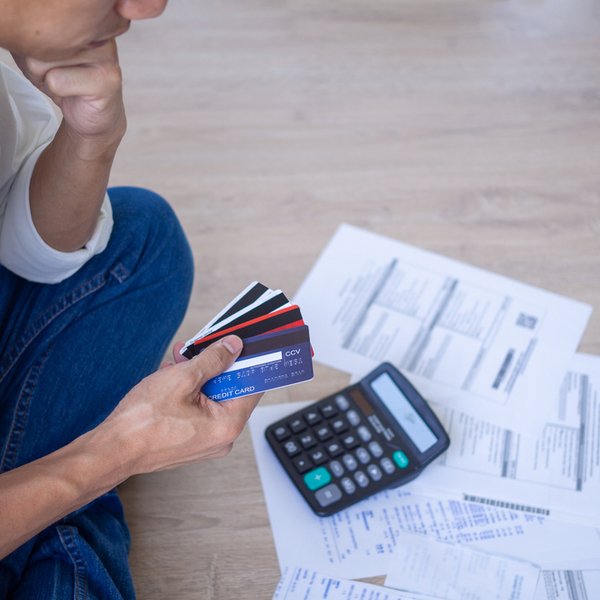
x=378, y=433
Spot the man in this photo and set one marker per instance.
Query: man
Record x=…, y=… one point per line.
x=92, y=288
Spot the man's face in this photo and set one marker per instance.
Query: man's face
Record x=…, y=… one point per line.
x=54, y=30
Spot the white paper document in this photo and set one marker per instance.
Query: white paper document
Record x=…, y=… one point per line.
x=456, y=572
x=359, y=542
x=306, y=584
x=557, y=474
x=568, y=585
x=466, y=338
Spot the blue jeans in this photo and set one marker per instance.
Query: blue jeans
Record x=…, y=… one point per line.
x=68, y=353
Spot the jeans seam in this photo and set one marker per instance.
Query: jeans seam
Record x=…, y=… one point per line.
x=18, y=424
x=78, y=562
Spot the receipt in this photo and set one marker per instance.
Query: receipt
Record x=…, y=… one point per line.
x=306, y=584
x=455, y=572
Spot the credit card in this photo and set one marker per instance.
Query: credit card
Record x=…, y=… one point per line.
x=268, y=361
x=255, y=292
x=249, y=313
x=285, y=317
x=249, y=296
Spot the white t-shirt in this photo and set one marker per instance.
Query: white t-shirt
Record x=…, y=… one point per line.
x=27, y=125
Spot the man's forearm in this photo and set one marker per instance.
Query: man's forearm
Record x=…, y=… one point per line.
x=34, y=496
x=68, y=186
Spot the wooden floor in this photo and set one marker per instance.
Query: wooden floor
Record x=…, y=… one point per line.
x=469, y=128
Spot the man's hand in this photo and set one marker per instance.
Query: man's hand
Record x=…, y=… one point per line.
x=168, y=422
x=165, y=421
x=87, y=88
x=69, y=181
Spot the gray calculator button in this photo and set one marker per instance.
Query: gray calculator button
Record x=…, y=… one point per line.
x=374, y=472
x=336, y=468
x=349, y=461
x=364, y=434
x=328, y=495
x=363, y=456
x=361, y=479
x=353, y=417
x=376, y=449
x=387, y=465
x=348, y=485
x=342, y=402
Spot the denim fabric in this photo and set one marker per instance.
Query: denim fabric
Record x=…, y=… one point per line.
x=68, y=353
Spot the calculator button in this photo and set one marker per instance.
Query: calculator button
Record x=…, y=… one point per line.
x=323, y=433
x=334, y=449
x=281, y=433
x=328, y=495
x=328, y=410
x=364, y=434
x=317, y=479
x=353, y=417
x=350, y=441
x=339, y=425
x=318, y=457
x=374, y=472
x=297, y=425
x=350, y=462
x=363, y=456
x=312, y=417
x=400, y=459
x=302, y=464
x=348, y=485
x=342, y=402
x=376, y=449
x=387, y=465
x=361, y=479
x=336, y=468
x=291, y=448
x=308, y=441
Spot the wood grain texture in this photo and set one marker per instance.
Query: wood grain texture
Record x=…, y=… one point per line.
x=469, y=128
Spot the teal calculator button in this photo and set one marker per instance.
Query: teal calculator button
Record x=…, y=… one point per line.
x=317, y=479
x=401, y=459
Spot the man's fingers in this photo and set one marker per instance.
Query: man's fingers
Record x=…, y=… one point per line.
x=242, y=406
x=104, y=58
x=218, y=357
x=85, y=80
x=177, y=357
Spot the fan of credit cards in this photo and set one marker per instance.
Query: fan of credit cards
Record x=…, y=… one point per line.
x=277, y=350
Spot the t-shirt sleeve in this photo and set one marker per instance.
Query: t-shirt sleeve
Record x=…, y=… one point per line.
x=27, y=126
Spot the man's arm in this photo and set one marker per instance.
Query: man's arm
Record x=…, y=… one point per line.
x=163, y=422
x=69, y=181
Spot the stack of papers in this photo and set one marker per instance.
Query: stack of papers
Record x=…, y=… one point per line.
x=512, y=509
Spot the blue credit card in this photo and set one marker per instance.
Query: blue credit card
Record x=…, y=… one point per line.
x=268, y=361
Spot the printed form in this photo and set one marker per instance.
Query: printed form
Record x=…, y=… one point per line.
x=466, y=338
x=457, y=572
x=427, y=570
x=306, y=584
x=556, y=474
x=359, y=542
x=568, y=585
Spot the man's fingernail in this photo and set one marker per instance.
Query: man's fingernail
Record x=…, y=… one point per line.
x=232, y=343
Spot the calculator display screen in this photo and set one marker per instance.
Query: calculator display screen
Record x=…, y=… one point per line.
x=410, y=420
